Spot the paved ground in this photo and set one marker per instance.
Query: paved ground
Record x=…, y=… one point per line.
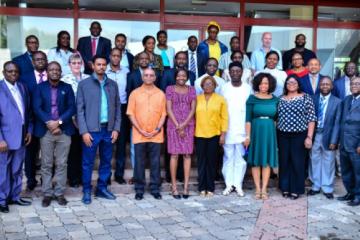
x=219, y=217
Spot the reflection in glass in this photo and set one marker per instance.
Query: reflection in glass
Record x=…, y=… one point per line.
x=134, y=6
x=335, y=47
x=134, y=30
x=339, y=14
x=279, y=11
x=178, y=38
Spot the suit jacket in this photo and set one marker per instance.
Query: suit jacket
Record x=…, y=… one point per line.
x=24, y=62
x=11, y=129
x=84, y=47
x=339, y=88
x=350, y=125
x=134, y=81
x=42, y=107
x=130, y=58
x=29, y=80
x=168, y=78
x=331, y=130
x=306, y=85
x=203, y=50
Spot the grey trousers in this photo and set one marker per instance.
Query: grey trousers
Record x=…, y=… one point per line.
x=54, y=152
x=322, y=166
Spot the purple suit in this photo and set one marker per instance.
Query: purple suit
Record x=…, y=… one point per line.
x=13, y=132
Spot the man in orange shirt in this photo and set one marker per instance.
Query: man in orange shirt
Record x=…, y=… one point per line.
x=147, y=113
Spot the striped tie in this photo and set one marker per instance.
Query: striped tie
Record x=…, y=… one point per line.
x=192, y=63
x=321, y=112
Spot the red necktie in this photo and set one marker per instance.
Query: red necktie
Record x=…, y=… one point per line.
x=93, y=46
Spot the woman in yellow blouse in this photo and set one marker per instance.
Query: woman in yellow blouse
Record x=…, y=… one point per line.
x=211, y=126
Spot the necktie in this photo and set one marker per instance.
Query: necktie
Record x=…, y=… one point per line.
x=41, y=77
x=192, y=63
x=18, y=100
x=313, y=82
x=321, y=112
x=93, y=46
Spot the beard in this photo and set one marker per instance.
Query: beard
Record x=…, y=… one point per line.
x=299, y=45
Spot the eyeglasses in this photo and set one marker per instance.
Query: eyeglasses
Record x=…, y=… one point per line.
x=292, y=83
x=357, y=84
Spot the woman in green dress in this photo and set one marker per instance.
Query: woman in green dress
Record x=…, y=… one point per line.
x=261, y=133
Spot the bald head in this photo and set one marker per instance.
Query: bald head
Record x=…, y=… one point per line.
x=266, y=39
x=149, y=76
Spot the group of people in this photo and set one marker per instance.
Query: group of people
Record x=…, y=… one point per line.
x=269, y=112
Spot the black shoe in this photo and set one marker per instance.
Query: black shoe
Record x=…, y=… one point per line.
x=104, y=194
x=285, y=194
x=46, y=201
x=4, y=208
x=355, y=202
x=329, y=195
x=176, y=196
x=157, y=196
x=346, y=197
x=312, y=192
x=139, y=196
x=294, y=196
x=120, y=180
x=20, y=202
x=185, y=196
x=31, y=186
x=61, y=200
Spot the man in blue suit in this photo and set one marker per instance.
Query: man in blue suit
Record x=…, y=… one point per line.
x=322, y=155
x=350, y=144
x=168, y=77
x=127, y=58
x=310, y=82
x=54, y=107
x=24, y=61
x=342, y=85
x=196, y=62
x=31, y=80
x=93, y=45
x=15, y=133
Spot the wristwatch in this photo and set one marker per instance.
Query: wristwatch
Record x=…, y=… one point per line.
x=60, y=122
x=158, y=129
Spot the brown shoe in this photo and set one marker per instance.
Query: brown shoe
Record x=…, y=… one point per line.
x=131, y=181
x=61, y=200
x=46, y=201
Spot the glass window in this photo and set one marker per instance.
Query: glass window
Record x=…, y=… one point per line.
x=335, y=47
x=224, y=37
x=134, y=30
x=64, y=4
x=279, y=11
x=207, y=8
x=282, y=37
x=14, y=30
x=135, y=6
x=177, y=38
x=339, y=14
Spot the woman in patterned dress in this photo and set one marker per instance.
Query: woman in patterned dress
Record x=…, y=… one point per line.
x=296, y=123
x=180, y=104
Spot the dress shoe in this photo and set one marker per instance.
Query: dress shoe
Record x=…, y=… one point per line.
x=139, y=196
x=294, y=196
x=104, y=194
x=20, y=202
x=329, y=195
x=61, y=200
x=4, y=208
x=157, y=196
x=120, y=180
x=286, y=194
x=355, y=202
x=31, y=186
x=46, y=201
x=313, y=192
x=346, y=197
x=131, y=181
x=86, y=199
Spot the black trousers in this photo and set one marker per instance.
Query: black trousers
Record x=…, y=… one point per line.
x=31, y=155
x=350, y=171
x=74, y=168
x=124, y=137
x=292, y=154
x=207, y=150
x=145, y=151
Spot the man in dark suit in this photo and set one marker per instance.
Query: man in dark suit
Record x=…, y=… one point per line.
x=322, y=155
x=127, y=58
x=93, y=45
x=350, y=144
x=168, y=77
x=310, y=82
x=54, y=107
x=24, y=61
x=196, y=62
x=31, y=81
x=342, y=85
x=15, y=133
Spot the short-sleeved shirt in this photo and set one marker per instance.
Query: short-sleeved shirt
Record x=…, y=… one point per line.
x=258, y=60
x=147, y=107
x=295, y=113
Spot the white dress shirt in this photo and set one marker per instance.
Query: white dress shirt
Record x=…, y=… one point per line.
x=220, y=82
x=196, y=63
x=15, y=92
